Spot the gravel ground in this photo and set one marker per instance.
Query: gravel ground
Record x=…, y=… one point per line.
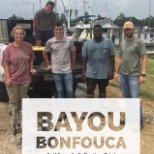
x=7, y=140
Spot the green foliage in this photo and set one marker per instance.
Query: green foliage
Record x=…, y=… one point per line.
x=57, y=17
x=121, y=19
x=86, y=13
x=76, y=13
x=14, y=17
x=63, y=18
x=99, y=17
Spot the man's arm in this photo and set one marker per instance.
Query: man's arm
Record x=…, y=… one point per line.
x=144, y=64
x=73, y=59
x=32, y=70
x=34, y=26
x=112, y=64
x=117, y=69
x=84, y=63
x=143, y=71
x=46, y=59
x=7, y=75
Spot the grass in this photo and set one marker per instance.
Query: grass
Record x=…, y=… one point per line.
x=146, y=89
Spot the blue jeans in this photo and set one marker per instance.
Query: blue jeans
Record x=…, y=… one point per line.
x=63, y=81
x=131, y=88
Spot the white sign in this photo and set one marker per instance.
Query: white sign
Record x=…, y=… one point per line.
x=81, y=126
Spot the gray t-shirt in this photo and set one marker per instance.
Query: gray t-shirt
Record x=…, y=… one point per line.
x=60, y=54
x=97, y=55
x=45, y=21
x=131, y=52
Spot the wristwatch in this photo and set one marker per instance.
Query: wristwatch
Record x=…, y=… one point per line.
x=144, y=75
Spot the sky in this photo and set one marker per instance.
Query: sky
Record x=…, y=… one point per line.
x=108, y=8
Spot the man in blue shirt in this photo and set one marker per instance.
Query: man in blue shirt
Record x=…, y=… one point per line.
x=98, y=63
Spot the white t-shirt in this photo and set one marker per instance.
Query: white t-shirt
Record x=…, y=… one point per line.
x=60, y=54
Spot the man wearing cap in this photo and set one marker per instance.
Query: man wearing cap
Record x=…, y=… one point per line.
x=132, y=73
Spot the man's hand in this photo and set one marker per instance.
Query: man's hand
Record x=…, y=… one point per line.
x=141, y=79
x=84, y=76
x=116, y=77
x=110, y=75
x=49, y=67
x=33, y=71
x=8, y=82
x=34, y=34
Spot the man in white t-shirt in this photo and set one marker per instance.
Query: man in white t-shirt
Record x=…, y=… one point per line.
x=62, y=61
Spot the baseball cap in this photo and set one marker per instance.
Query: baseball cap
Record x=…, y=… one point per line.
x=128, y=24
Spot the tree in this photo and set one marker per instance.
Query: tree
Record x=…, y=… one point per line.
x=14, y=17
x=71, y=12
x=76, y=13
x=120, y=20
x=149, y=21
x=63, y=18
x=99, y=17
x=135, y=21
x=57, y=17
x=86, y=13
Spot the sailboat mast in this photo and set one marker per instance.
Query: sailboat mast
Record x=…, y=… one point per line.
x=149, y=11
x=55, y=1
x=69, y=13
x=84, y=2
x=90, y=6
x=40, y=4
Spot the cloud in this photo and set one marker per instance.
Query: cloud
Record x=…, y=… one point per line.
x=136, y=8
x=123, y=4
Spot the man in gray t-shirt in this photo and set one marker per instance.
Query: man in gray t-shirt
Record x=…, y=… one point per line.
x=132, y=73
x=62, y=61
x=43, y=23
x=98, y=63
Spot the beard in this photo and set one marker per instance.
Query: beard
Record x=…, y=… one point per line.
x=129, y=35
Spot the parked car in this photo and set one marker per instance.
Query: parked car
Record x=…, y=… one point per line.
x=3, y=93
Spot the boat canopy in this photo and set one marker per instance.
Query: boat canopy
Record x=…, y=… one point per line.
x=87, y=16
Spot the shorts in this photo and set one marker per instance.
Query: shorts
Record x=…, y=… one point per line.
x=94, y=82
x=44, y=35
x=91, y=85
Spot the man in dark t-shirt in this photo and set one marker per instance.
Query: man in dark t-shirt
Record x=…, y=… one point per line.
x=43, y=23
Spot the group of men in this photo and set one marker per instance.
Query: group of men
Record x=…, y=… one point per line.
x=98, y=54
x=51, y=33
x=98, y=62
x=98, y=57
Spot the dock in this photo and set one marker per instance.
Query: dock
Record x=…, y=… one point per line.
x=150, y=54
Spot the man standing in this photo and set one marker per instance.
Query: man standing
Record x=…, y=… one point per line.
x=132, y=74
x=98, y=63
x=43, y=23
x=62, y=61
